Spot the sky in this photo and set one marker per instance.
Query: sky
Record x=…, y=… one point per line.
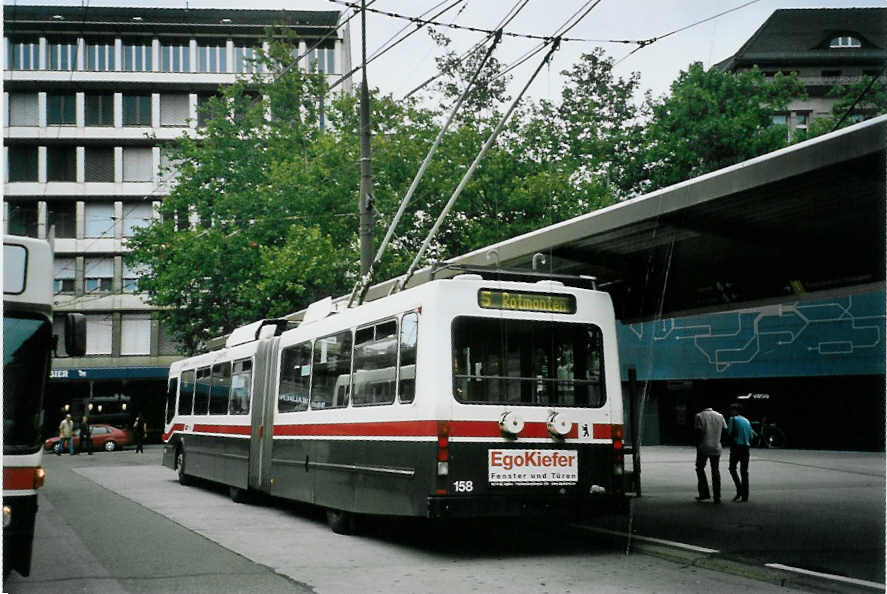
x=412, y=62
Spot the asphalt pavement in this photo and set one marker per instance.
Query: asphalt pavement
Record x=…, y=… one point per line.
x=813, y=512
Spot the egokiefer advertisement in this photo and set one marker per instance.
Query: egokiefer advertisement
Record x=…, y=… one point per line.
x=533, y=467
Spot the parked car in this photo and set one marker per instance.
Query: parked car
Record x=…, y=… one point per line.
x=107, y=437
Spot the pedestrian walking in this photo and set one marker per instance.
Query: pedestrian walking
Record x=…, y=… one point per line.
x=740, y=432
x=66, y=433
x=709, y=425
x=139, y=432
x=85, y=436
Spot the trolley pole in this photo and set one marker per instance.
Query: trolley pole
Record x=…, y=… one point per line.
x=366, y=207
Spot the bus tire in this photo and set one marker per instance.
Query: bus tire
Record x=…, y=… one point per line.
x=238, y=495
x=184, y=479
x=340, y=521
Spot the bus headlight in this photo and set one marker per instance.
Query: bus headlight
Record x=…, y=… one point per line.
x=7, y=516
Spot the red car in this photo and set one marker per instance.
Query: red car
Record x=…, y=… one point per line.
x=107, y=437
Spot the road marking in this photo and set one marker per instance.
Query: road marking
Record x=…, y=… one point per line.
x=671, y=543
x=828, y=576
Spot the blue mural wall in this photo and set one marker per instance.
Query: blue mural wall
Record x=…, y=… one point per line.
x=836, y=336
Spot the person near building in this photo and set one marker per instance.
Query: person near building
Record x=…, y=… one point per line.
x=85, y=436
x=709, y=424
x=741, y=434
x=66, y=433
x=139, y=433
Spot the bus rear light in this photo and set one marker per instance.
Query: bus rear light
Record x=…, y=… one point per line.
x=443, y=454
x=617, y=444
x=7, y=516
x=443, y=468
x=440, y=492
x=39, y=477
x=616, y=431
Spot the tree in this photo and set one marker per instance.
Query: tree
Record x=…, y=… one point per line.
x=710, y=120
x=862, y=99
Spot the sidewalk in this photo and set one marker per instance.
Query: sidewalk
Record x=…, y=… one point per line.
x=822, y=511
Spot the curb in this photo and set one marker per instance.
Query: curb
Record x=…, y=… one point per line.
x=736, y=565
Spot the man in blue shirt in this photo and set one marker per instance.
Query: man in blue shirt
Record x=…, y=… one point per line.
x=741, y=434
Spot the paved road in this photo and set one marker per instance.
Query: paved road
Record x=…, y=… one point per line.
x=120, y=523
x=818, y=510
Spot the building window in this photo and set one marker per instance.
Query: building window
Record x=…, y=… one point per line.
x=845, y=41
x=131, y=275
x=99, y=329
x=831, y=73
x=22, y=163
x=61, y=164
x=212, y=57
x=137, y=164
x=22, y=219
x=99, y=109
x=99, y=219
x=135, y=215
x=203, y=112
x=322, y=60
x=136, y=110
x=167, y=344
x=779, y=119
x=22, y=54
x=65, y=272
x=99, y=164
x=245, y=59
x=802, y=119
x=60, y=110
x=62, y=216
x=174, y=109
x=100, y=55
x=135, y=334
x=137, y=56
x=23, y=109
x=62, y=55
x=98, y=274
x=169, y=167
x=175, y=56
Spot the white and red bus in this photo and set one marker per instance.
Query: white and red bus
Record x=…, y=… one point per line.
x=27, y=344
x=460, y=397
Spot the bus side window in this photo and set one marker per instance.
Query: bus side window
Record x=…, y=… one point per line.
x=201, y=392
x=409, y=333
x=375, y=364
x=331, y=370
x=241, y=381
x=186, y=396
x=221, y=387
x=171, y=389
x=295, y=378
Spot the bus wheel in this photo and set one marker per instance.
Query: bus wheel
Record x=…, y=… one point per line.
x=184, y=479
x=340, y=521
x=238, y=495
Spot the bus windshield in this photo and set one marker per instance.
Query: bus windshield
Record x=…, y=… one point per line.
x=534, y=363
x=27, y=340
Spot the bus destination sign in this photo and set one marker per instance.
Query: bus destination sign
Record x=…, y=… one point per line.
x=544, y=302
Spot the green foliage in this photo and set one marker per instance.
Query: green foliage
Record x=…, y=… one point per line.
x=859, y=100
x=710, y=120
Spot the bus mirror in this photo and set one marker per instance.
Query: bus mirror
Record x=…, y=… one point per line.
x=75, y=334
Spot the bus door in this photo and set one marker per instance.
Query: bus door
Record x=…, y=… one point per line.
x=262, y=415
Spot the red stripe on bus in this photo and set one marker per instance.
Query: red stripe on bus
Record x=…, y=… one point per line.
x=176, y=427
x=603, y=432
x=387, y=429
x=229, y=429
x=491, y=429
x=18, y=478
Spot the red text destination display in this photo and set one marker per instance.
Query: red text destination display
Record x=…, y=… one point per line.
x=533, y=467
x=545, y=302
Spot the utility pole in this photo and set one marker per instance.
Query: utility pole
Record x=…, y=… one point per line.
x=366, y=207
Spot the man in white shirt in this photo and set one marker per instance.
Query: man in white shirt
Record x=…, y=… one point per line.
x=708, y=425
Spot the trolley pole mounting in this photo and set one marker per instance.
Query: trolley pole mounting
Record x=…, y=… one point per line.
x=366, y=206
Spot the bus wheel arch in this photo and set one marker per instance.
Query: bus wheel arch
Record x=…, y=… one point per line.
x=341, y=521
x=184, y=479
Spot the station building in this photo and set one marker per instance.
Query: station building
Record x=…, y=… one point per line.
x=92, y=95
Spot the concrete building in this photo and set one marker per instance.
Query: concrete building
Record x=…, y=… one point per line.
x=826, y=47
x=91, y=95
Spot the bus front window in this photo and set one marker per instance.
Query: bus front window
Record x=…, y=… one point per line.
x=533, y=363
x=27, y=340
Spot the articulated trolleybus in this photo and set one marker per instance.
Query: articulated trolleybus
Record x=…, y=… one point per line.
x=460, y=397
x=27, y=343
